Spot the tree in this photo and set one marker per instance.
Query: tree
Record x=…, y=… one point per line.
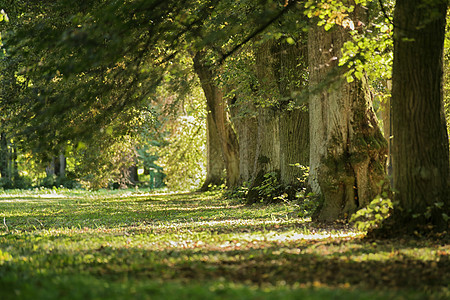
x=93, y=62
x=215, y=164
x=348, y=151
x=283, y=121
x=420, y=142
x=217, y=109
x=226, y=40
x=91, y=67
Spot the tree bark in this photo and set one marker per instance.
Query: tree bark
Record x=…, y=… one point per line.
x=386, y=116
x=348, y=151
x=420, y=142
x=215, y=164
x=246, y=125
x=294, y=121
x=282, y=123
x=217, y=107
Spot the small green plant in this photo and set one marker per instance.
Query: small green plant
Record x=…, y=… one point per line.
x=307, y=203
x=4, y=256
x=371, y=216
x=238, y=193
x=269, y=187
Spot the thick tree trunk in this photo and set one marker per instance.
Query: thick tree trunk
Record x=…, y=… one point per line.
x=294, y=121
x=282, y=123
x=246, y=125
x=217, y=107
x=215, y=165
x=420, y=143
x=268, y=144
x=348, y=151
x=57, y=166
x=294, y=140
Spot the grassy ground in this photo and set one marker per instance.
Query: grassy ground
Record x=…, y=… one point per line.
x=132, y=245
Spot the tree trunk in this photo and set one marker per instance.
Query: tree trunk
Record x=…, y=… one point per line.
x=282, y=123
x=14, y=162
x=215, y=165
x=3, y=156
x=420, y=143
x=57, y=166
x=294, y=121
x=217, y=107
x=348, y=151
x=294, y=140
x=246, y=125
x=62, y=165
x=133, y=176
x=387, y=128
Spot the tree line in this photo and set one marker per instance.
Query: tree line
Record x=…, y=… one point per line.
x=289, y=87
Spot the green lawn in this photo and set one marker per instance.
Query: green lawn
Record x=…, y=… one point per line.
x=132, y=245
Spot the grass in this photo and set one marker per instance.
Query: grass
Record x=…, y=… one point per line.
x=62, y=244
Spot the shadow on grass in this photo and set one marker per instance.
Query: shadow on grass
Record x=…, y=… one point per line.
x=172, y=273
x=152, y=251
x=287, y=263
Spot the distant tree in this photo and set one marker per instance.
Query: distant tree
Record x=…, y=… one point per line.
x=217, y=109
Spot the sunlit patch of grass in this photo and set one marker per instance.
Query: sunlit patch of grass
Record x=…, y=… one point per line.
x=143, y=245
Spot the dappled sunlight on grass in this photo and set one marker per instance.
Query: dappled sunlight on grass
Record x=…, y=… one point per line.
x=130, y=242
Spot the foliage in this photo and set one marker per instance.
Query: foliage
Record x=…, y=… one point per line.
x=16, y=182
x=238, y=74
x=447, y=73
x=307, y=203
x=72, y=244
x=178, y=143
x=91, y=94
x=238, y=194
x=330, y=13
x=57, y=181
x=269, y=188
x=370, y=50
x=370, y=217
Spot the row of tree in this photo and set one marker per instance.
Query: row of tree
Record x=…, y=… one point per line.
x=287, y=84
x=347, y=151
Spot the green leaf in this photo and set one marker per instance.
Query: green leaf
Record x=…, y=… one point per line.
x=290, y=41
x=81, y=146
x=439, y=204
x=3, y=16
x=328, y=26
x=350, y=78
x=384, y=28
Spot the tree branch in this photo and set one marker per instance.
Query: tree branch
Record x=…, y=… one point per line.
x=257, y=31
